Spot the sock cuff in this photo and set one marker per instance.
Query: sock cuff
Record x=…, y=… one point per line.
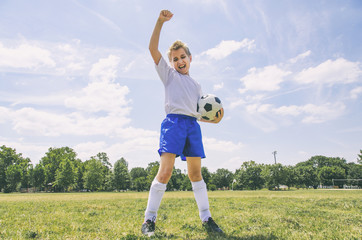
x=157, y=185
x=198, y=185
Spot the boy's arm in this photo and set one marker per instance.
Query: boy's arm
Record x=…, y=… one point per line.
x=165, y=16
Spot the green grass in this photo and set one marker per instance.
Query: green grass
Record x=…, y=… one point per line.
x=299, y=214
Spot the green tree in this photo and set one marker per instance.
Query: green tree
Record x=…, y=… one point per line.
x=152, y=170
x=13, y=167
x=26, y=181
x=103, y=157
x=108, y=184
x=290, y=176
x=359, y=159
x=274, y=175
x=138, y=179
x=94, y=175
x=186, y=183
x=326, y=169
x=175, y=181
x=13, y=177
x=327, y=173
x=319, y=162
x=354, y=172
x=105, y=171
x=122, y=179
x=52, y=160
x=39, y=176
x=307, y=176
x=222, y=178
x=206, y=175
x=79, y=176
x=249, y=176
x=65, y=176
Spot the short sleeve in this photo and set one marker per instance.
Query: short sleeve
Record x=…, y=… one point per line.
x=163, y=70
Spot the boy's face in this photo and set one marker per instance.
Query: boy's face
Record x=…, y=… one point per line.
x=181, y=61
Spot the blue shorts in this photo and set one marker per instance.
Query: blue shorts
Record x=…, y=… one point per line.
x=181, y=135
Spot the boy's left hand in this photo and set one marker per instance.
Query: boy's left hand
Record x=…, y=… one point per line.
x=217, y=119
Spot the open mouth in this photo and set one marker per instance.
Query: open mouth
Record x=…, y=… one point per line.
x=182, y=66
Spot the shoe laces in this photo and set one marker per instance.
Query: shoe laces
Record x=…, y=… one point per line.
x=150, y=225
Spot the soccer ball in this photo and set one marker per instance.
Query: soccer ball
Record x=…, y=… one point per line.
x=208, y=106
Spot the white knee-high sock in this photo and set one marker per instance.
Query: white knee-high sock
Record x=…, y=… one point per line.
x=154, y=199
x=200, y=193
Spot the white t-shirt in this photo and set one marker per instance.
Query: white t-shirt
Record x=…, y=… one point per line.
x=181, y=91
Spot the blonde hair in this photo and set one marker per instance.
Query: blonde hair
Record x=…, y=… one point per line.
x=177, y=45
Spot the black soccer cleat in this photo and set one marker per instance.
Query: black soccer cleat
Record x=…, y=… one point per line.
x=148, y=228
x=211, y=226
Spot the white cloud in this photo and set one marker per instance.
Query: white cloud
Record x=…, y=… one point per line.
x=219, y=86
x=247, y=100
x=322, y=113
x=138, y=146
x=105, y=126
x=100, y=96
x=312, y=113
x=331, y=72
x=29, y=120
x=28, y=150
x=291, y=110
x=267, y=116
x=101, y=107
x=70, y=57
x=300, y=57
x=25, y=56
x=130, y=132
x=356, y=92
x=105, y=69
x=129, y=66
x=265, y=79
x=86, y=150
x=42, y=100
x=225, y=48
x=258, y=108
x=221, y=145
x=41, y=123
x=4, y=114
x=236, y=103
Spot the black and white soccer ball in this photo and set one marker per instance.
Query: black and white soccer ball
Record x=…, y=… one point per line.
x=208, y=106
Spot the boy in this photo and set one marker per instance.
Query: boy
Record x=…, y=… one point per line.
x=180, y=132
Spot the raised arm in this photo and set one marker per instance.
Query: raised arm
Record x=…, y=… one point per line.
x=165, y=16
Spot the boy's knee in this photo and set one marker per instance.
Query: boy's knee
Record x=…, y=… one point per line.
x=195, y=177
x=164, y=176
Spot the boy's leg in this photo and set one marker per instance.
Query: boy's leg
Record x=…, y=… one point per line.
x=158, y=186
x=200, y=192
x=198, y=187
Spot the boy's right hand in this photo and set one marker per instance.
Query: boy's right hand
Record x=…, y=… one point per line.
x=165, y=15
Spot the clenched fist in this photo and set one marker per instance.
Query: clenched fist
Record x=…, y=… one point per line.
x=165, y=15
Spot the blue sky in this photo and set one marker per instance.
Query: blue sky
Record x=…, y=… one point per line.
x=78, y=73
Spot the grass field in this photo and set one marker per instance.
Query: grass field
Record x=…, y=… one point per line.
x=299, y=214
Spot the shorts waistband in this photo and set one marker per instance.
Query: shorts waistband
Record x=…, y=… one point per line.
x=181, y=116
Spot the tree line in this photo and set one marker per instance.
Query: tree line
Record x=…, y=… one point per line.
x=60, y=170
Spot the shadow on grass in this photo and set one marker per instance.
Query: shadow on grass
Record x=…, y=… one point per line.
x=162, y=235
x=251, y=237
